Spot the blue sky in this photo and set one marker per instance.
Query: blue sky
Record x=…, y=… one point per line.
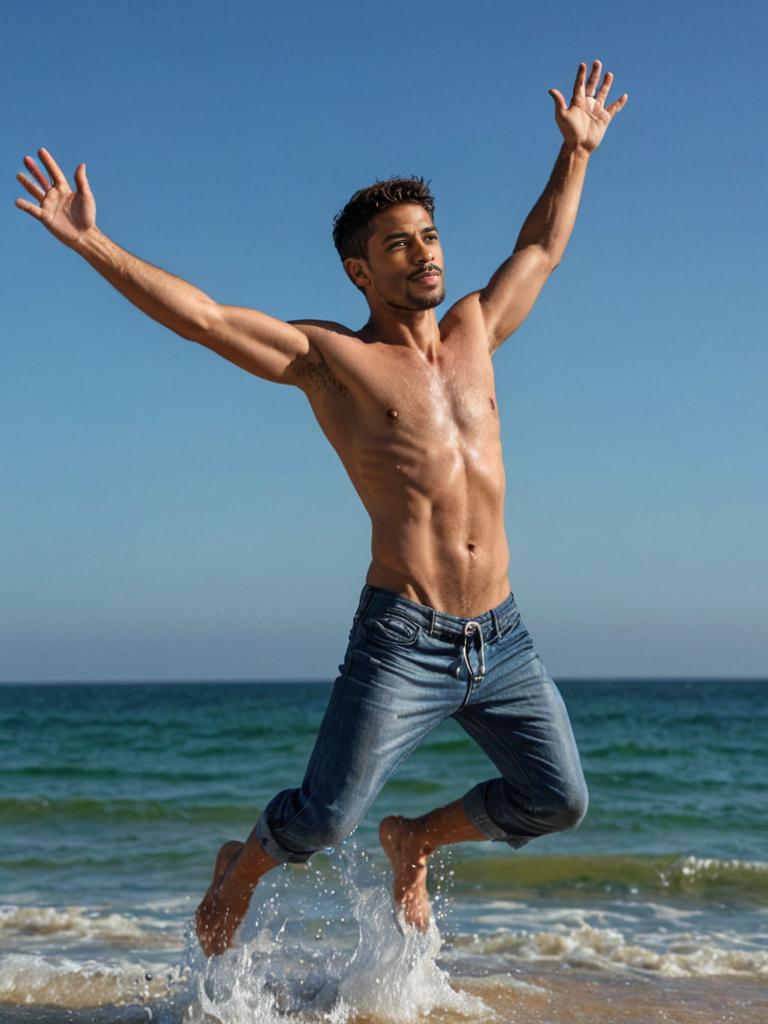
x=164, y=515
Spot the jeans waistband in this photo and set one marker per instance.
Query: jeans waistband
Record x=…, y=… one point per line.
x=453, y=628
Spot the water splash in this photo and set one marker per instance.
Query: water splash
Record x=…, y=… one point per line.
x=341, y=955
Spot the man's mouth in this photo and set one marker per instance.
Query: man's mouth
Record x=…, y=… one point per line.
x=429, y=275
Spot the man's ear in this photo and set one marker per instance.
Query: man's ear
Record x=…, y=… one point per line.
x=357, y=271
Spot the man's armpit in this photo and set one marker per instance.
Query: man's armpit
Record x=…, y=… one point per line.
x=312, y=374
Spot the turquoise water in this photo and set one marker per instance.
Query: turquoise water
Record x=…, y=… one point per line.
x=114, y=799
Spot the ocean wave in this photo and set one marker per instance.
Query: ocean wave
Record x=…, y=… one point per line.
x=81, y=923
x=676, y=875
x=607, y=948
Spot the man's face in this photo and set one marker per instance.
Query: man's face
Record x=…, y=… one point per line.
x=405, y=259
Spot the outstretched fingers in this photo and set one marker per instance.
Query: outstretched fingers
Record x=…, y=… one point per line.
x=81, y=180
x=560, y=105
x=594, y=78
x=34, y=190
x=578, y=85
x=30, y=208
x=57, y=175
x=587, y=87
x=605, y=88
x=616, y=106
x=32, y=167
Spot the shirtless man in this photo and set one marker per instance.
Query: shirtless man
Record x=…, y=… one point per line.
x=408, y=402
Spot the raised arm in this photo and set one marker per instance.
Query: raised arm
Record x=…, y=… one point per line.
x=259, y=343
x=509, y=296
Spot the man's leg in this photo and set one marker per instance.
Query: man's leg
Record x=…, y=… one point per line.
x=516, y=715
x=383, y=703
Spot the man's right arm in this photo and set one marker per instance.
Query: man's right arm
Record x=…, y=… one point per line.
x=259, y=343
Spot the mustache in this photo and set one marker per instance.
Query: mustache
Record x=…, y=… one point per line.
x=432, y=268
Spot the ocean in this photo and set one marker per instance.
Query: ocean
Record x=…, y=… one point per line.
x=115, y=798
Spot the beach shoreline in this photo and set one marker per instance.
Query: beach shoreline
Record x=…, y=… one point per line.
x=526, y=994
x=113, y=801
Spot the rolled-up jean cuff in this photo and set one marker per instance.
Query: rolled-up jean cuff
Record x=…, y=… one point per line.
x=474, y=808
x=274, y=849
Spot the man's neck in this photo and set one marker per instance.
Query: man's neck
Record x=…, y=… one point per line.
x=417, y=328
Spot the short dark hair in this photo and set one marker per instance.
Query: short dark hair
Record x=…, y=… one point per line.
x=351, y=226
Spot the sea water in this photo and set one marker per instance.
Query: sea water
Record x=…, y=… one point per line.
x=115, y=798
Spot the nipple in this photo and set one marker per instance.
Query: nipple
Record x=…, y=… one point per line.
x=392, y=413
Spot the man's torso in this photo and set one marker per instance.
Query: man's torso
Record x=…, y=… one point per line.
x=419, y=437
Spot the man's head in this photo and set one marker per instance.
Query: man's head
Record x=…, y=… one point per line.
x=388, y=243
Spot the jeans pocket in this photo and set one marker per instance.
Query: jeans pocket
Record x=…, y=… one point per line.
x=392, y=629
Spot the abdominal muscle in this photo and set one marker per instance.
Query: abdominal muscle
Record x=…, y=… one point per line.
x=437, y=519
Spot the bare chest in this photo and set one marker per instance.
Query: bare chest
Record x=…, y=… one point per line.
x=432, y=399
x=392, y=394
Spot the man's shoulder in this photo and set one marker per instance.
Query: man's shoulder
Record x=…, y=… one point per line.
x=466, y=311
x=464, y=324
x=323, y=329
x=329, y=340
x=330, y=343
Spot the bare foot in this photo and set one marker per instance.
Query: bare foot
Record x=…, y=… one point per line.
x=403, y=842
x=236, y=871
x=224, y=858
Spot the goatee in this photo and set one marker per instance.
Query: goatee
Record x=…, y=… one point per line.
x=426, y=301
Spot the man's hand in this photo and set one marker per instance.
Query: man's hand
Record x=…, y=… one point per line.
x=66, y=214
x=583, y=124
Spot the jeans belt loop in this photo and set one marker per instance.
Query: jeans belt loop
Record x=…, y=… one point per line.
x=365, y=603
x=496, y=627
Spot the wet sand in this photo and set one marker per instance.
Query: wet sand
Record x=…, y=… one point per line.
x=589, y=998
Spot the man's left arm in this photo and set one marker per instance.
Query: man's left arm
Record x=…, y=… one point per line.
x=509, y=296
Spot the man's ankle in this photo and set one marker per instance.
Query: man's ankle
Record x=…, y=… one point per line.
x=427, y=840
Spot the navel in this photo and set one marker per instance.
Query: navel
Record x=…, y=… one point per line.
x=493, y=404
x=392, y=414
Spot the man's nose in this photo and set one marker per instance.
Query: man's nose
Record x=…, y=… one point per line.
x=423, y=253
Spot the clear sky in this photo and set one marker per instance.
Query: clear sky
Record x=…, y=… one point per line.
x=165, y=515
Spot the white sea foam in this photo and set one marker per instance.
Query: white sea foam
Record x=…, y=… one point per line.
x=60, y=981
x=686, y=955
x=111, y=929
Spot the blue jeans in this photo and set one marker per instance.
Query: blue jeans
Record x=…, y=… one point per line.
x=407, y=669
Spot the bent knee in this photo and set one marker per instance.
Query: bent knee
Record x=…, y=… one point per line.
x=567, y=811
